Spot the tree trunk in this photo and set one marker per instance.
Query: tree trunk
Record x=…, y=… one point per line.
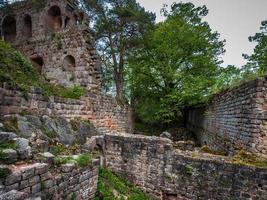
x=119, y=85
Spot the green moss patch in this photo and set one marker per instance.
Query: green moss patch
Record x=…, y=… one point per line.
x=249, y=159
x=20, y=74
x=206, y=149
x=109, y=182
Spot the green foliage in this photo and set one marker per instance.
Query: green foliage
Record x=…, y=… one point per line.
x=8, y=145
x=59, y=160
x=189, y=170
x=118, y=26
x=4, y=172
x=84, y=160
x=49, y=133
x=257, y=62
x=17, y=71
x=73, y=196
x=247, y=158
x=109, y=182
x=178, y=65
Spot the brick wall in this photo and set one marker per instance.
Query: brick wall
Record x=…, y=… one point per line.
x=102, y=110
x=234, y=119
x=153, y=165
x=42, y=180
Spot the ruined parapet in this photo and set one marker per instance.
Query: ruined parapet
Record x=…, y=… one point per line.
x=156, y=167
x=235, y=119
x=54, y=35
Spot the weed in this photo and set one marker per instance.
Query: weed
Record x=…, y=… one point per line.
x=4, y=172
x=84, y=160
x=49, y=133
x=189, y=170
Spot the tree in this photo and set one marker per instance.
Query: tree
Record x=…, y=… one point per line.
x=178, y=65
x=118, y=25
x=257, y=62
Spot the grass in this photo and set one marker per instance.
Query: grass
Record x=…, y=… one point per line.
x=108, y=182
x=249, y=159
x=82, y=160
x=19, y=73
x=49, y=133
x=206, y=149
x=6, y=145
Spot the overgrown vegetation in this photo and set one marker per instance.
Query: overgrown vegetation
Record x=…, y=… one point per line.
x=82, y=160
x=76, y=123
x=49, y=133
x=11, y=124
x=19, y=73
x=250, y=159
x=112, y=187
x=206, y=149
x=4, y=172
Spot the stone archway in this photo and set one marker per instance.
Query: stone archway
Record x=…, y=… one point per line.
x=38, y=62
x=54, y=19
x=69, y=63
x=9, y=29
x=27, y=28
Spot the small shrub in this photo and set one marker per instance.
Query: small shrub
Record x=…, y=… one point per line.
x=49, y=133
x=4, y=172
x=84, y=160
x=75, y=123
x=63, y=160
x=73, y=196
x=8, y=145
x=3, y=156
x=189, y=170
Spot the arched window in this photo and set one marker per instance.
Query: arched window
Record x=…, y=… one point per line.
x=54, y=21
x=69, y=63
x=38, y=62
x=27, y=29
x=9, y=29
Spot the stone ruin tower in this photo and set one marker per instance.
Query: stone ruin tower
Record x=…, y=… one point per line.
x=54, y=35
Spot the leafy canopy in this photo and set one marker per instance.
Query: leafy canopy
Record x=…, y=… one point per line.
x=177, y=66
x=118, y=26
x=257, y=62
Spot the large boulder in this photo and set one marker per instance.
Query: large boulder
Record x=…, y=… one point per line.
x=23, y=148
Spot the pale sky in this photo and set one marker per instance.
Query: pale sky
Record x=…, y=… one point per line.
x=235, y=20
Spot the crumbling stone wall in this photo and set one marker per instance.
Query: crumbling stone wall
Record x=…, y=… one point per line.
x=234, y=119
x=40, y=180
x=50, y=33
x=102, y=110
x=153, y=165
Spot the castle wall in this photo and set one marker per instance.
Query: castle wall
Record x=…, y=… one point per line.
x=102, y=110
x=42, y=180
x=153, y=165
x=234, y=119
x=50, y=32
